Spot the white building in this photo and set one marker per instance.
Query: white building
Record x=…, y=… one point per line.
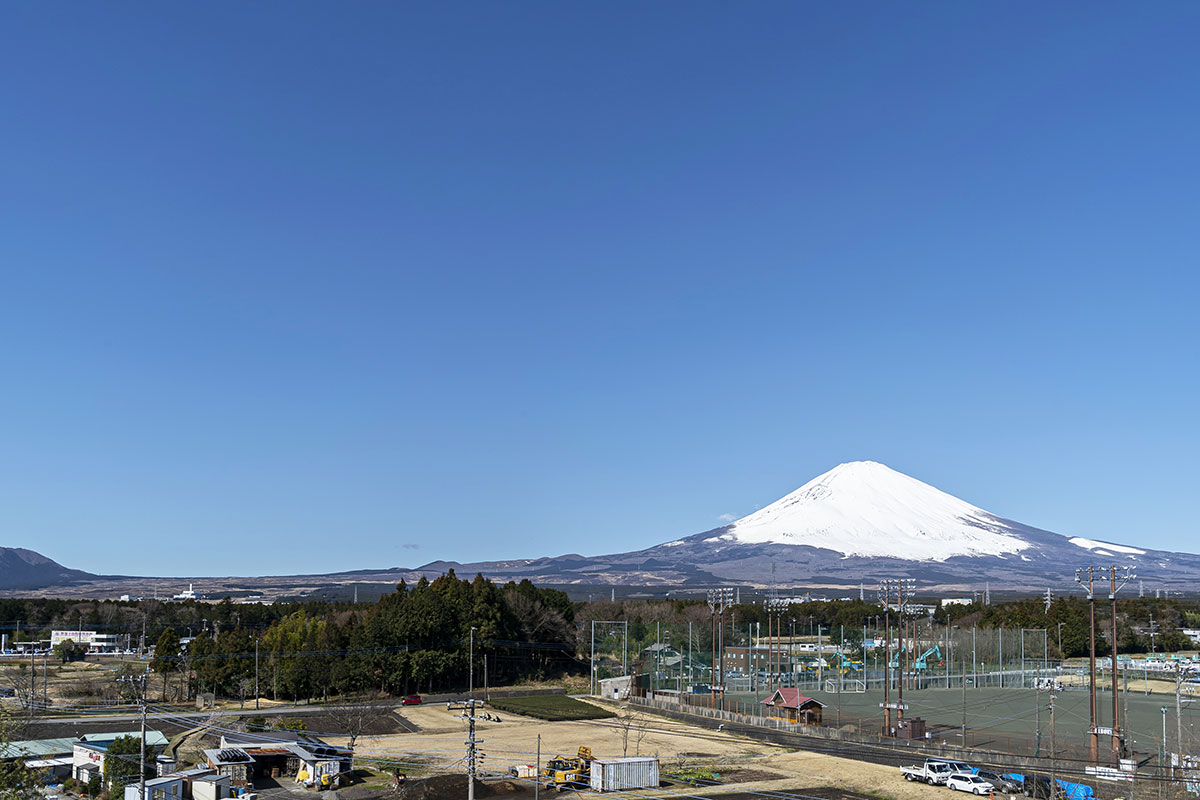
x=96, y=642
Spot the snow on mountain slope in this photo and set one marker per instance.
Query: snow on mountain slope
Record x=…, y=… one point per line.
x=863, y=508
x=1101, y=547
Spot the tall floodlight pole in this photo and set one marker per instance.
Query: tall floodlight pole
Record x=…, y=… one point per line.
x=718, y=601
x=1093, y=734
x=726, y=601
x=1123, y=575
x=754, y=661
x=1179, y=718
x=775, y=607
x=904, y=591
x=885, y=589
x=712, y=672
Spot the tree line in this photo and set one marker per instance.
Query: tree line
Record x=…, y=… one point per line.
x=416, y=639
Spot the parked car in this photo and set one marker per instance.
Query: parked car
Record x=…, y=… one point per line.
x=411, y=700
x=1002, y=783
x=1038, y=787
x=969, y=782
x=934, y=771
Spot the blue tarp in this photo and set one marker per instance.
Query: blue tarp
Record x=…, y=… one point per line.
x=1073, y=791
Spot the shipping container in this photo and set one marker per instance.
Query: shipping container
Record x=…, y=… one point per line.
x=620, y=774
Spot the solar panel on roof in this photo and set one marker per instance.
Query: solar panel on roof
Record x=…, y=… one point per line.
x=232, y=754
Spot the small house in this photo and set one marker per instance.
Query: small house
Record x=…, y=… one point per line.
x=789, y=704
x=232, y=763
x=291, y=754
x=87, y=756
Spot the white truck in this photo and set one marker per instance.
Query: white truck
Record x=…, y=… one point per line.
x=935, y=771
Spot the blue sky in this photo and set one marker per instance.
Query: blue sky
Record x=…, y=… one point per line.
x=292, y=287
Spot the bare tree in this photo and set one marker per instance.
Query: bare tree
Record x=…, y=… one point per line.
x=245, y=686
x=355, y=714
x=632, y=724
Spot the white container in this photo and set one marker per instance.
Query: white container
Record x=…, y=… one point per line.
x=620, y=774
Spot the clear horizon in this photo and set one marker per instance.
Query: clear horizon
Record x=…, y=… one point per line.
x=308, y=289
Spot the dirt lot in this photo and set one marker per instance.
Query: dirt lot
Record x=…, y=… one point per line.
x=453, y=787
x=744, y=765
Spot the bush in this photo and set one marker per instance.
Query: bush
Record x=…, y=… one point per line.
x=289, y=724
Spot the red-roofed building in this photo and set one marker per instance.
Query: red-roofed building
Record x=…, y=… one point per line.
x=795, y=707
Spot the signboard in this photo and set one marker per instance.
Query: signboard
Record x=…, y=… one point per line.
x=1108, y=774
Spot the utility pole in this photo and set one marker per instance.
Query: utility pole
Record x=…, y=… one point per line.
x=255, y=673
x=537, y=772
x=468, y=709
x=139, y=682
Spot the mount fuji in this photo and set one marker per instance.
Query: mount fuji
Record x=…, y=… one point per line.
x=858, y=522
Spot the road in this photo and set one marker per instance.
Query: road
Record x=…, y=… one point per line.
x=179, y=720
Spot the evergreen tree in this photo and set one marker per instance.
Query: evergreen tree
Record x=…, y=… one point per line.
x=166, y=654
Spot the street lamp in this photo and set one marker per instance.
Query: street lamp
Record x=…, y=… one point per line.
x=471, y=664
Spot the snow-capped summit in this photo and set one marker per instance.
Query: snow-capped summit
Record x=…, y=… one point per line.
x=859, y=522
x=863, y=508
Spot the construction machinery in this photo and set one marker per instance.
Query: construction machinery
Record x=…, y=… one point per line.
x=922, y=662
x=569, y=773
x=847, y=665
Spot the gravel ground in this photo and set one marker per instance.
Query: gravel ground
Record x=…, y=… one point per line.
x=745, y=765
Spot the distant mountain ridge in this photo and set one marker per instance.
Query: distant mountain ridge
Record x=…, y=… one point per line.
x=25, y=569
x=857, y=523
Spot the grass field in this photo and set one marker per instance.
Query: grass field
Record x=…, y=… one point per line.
x=550, y=707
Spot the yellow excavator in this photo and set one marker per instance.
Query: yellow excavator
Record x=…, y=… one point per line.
x=569, y=773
